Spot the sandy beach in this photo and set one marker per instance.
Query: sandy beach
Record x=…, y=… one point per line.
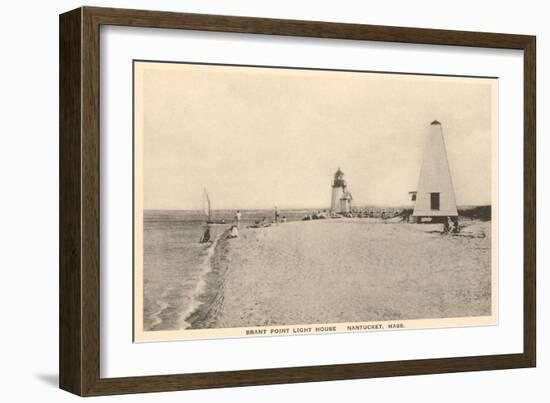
x=333, y=271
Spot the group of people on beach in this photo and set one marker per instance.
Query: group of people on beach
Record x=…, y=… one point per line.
x=450, y=225
x=319, y=215
x=263, y=223
x=382, y=213
x=234, y=229
x=354, y=213
x=232, y=233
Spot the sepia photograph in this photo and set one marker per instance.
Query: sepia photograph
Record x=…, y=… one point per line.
x=273, y=201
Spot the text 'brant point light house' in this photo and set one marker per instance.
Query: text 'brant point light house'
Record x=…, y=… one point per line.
x=341, y=198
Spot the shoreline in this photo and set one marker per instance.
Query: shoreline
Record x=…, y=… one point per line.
x=209, y=301
x=202, y=283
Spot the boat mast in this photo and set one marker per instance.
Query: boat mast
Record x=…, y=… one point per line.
x=206, y=208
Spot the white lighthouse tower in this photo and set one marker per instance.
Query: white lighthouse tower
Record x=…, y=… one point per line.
x=341, y=198
x=435, y=197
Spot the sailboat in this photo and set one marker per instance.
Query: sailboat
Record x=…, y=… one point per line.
x=207, y=208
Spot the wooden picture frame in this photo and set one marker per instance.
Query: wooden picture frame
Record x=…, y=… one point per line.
x=79, y=348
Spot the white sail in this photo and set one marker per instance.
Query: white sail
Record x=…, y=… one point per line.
x=206, y=204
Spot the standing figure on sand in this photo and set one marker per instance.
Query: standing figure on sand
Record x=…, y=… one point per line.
x=238, y=218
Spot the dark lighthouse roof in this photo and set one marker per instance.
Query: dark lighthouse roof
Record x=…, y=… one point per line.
x=435, y=122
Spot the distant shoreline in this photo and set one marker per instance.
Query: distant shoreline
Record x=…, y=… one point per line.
x=464, y=207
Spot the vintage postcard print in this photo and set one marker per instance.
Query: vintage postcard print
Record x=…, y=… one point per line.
x=276, y=201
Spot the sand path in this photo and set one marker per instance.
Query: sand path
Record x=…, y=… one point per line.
x=331, y=271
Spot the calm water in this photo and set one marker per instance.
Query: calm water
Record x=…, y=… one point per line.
x=176, y=264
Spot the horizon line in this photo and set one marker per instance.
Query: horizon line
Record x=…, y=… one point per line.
x=305, y=208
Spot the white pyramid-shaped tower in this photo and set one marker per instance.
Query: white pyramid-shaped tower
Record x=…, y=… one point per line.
x=435, y=195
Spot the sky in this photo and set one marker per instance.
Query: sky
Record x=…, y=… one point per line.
x=263, y=137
